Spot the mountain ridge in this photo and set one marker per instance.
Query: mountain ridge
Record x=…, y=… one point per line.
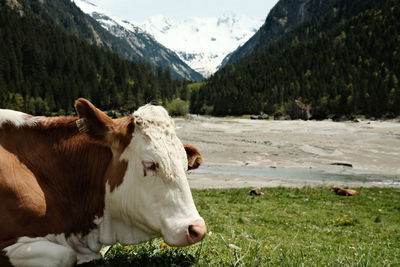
x=202, y=43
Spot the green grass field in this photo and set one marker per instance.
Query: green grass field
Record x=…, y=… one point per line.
x=284, y=227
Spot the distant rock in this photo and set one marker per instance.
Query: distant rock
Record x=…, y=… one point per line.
x=253, y=117
x=282, y=117
x=342, y=164
x=256, y=192
x=378, y=219
x=262, y=116
x=342, y=118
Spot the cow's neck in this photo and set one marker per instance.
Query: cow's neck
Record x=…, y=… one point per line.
x=67, y=162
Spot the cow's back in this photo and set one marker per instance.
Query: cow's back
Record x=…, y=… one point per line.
x=51, y=180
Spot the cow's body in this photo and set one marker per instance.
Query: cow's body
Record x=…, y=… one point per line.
x=66, y=189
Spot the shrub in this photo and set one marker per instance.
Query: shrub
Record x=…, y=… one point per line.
x=207, y=110
x=178, y=107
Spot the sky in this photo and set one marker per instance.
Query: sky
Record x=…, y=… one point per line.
x=140, y=10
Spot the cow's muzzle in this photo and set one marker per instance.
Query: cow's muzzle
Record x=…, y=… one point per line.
x=196, y=232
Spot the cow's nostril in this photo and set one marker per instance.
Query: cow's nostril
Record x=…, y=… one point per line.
x=192, y=232
x=196, y=232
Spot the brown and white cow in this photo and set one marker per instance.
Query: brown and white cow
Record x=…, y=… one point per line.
x=70, y=185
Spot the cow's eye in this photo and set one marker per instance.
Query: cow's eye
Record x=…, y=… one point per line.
x=150, y=165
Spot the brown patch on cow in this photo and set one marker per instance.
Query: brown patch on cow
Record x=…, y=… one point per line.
x=344, y=192
x=115, y=173
x=194, y=157
x=53, y=177
x=121, y=136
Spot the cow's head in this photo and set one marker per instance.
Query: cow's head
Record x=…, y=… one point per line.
x=147, y=192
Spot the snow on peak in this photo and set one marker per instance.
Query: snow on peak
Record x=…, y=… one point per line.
x=106, y=20
x=202, y=42
x=89, y=7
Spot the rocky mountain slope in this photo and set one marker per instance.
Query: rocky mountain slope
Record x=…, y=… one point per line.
x=142, y=44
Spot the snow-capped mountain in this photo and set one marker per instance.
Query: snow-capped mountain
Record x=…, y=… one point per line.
x=144, y=46
x=202, y=42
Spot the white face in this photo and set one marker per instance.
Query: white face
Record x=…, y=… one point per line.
x=154, y=198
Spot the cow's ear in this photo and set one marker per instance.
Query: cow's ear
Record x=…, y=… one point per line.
x=91, y=120
x=194, y=157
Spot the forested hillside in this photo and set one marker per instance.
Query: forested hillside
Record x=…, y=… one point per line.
x=131, y=44
x=283, y=18
x=344, y=62
x=43, y=70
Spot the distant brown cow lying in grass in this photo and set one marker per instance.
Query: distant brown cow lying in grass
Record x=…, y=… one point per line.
x=344, y=192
